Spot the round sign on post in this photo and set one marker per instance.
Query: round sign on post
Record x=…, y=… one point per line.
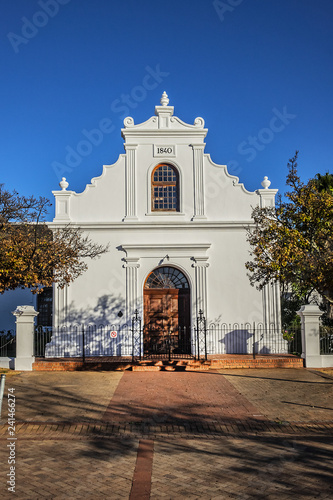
x=113, y=335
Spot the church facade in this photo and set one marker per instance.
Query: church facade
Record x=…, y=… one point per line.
x=176, y=235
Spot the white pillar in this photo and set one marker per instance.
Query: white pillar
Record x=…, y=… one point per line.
x=132, y=265
x=60, y=306
x=272, y=306
x=277, y=306
x=62, y=202
x=198, y=173
x=310, y=314
x=25, y=317
x=130, y=182
x=200, y=265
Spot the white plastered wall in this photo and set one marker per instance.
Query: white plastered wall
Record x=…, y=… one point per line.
x=206, y=239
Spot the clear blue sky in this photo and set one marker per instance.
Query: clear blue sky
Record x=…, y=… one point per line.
x=258, y=71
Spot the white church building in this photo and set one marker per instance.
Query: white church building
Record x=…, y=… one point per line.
x=175, y=223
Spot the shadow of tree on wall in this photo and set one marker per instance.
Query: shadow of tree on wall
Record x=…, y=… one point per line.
x=106, y=311
x=236, y=341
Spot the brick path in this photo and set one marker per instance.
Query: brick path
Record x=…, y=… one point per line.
x=248, y=468
x=286, y=397
x=89, y=469
x=213, y=435
x=177, y=397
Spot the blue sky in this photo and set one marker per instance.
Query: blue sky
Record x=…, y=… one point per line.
x=258, y=71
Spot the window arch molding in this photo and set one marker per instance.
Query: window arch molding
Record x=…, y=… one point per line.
x=150, y=171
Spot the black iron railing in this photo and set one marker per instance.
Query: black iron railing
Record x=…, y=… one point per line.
x=138, y=341
x=255, y=339
x=169, y=343
x=326, y=339
x=81, y=341
x=7, y=343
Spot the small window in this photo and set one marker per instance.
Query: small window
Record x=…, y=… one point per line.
x=165, y=188
x=44, y=307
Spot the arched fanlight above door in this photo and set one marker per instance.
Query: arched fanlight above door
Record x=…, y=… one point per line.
x=166, y=277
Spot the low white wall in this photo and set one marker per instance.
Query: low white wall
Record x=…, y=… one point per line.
x=321, y=361
x=7, y=363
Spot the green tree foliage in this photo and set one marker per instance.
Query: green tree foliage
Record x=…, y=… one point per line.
x=292, y=243
x=31, y=255
x=324, y=183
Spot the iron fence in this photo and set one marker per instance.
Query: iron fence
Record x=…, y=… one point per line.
x=200, y=337
x=326, y=339
x=7, y=343
x=255, y=339
x=136, y=332
x=137, y=341
x=83, y=341
x=170, y=343
x=293, y=335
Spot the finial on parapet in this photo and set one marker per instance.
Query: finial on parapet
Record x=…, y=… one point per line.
x=164, y=99
x=266, y=183
x=63, y=184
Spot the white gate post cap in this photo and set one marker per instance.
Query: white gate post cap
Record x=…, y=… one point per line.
x=310, y=310
x=22, y=312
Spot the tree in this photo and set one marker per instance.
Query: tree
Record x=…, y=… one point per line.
x=31, y=255
x=293, y=244
x=324, y=182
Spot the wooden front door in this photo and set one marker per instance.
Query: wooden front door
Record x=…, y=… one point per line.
x=166, y=321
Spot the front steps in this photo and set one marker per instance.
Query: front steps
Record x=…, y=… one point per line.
x=228, y=361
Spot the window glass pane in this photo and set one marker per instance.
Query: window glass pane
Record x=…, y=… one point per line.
x=166, y=277
x=165, y=193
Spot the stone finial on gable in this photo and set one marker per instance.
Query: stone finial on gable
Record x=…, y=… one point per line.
x=164, y=99
x=267, y=196
x=266, y=183
x=164, y=112
x=62, y=199
x=63, y=184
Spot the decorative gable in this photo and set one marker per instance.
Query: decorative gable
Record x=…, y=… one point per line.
x=165, y=177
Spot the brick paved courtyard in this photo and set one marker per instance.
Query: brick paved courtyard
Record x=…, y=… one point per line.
x=238, y=434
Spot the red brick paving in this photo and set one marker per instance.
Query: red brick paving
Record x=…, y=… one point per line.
x=210, y=441
x=177, y=397
x=141, y=483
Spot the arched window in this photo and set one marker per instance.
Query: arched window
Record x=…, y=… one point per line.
x=166, y=277
x=165, y=188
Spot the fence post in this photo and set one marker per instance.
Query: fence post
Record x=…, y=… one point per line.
x=83, y=346
x=198, y=336
x=136, y=326
x=310, y=314
x=205, y=332
x=25, y=317
x=201, y=328
x=254, y=342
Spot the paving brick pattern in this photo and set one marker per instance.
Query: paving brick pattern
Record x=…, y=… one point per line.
x=177, y=397
x=214, y=435
x=285, y=396
x=242, y=469
x=63, y=396
x=58, y=469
